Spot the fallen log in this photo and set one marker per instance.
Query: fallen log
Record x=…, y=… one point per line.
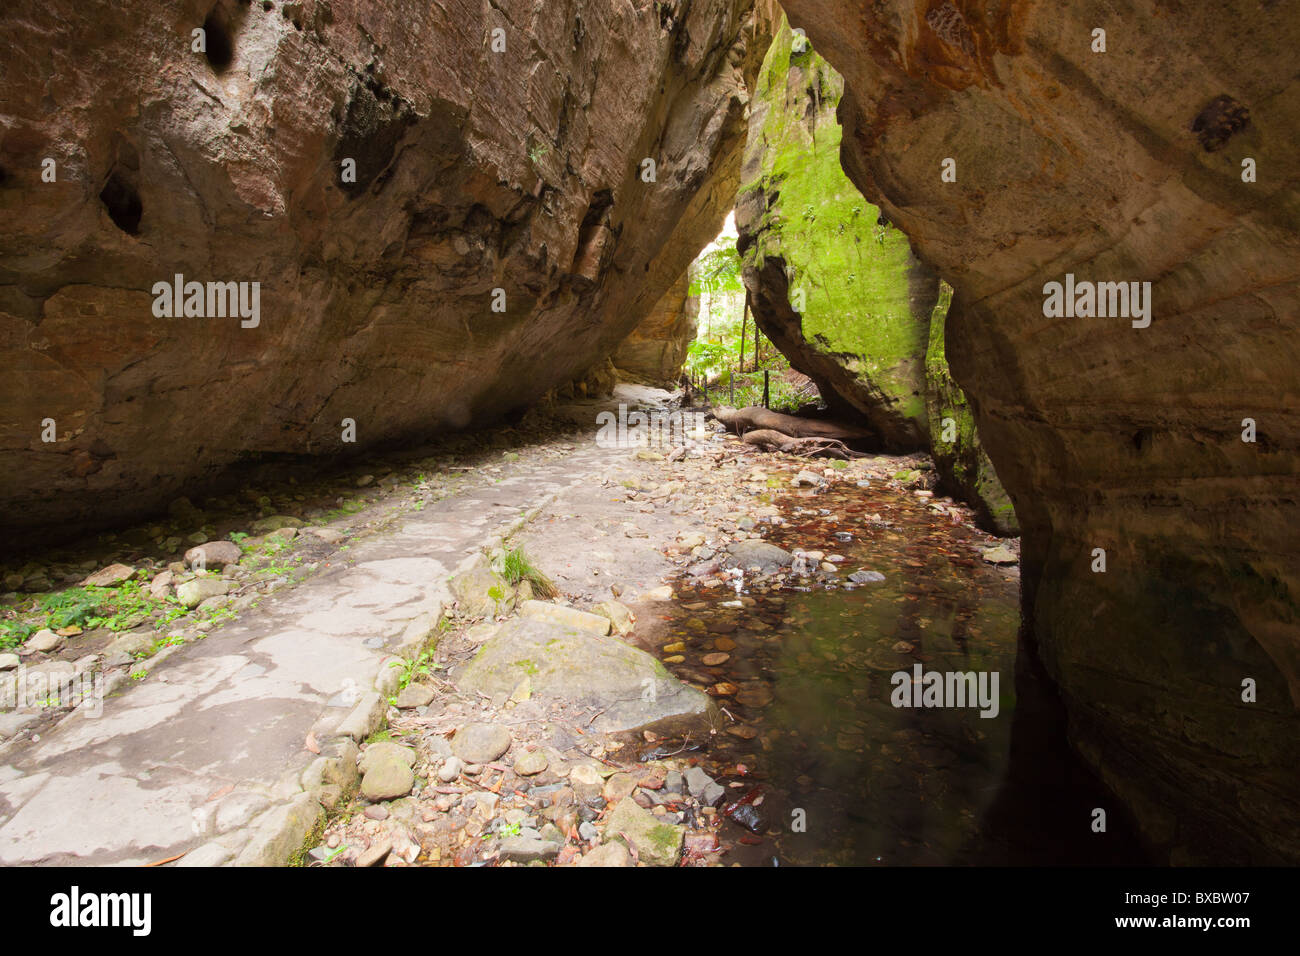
x=741, y=420
x=770, y=440
x=766, y=439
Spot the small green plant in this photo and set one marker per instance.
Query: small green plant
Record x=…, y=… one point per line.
x=140, y=674
x=71, y=608
x=517, y=567
x=329, y=857
x=510, y=830
x=421, y=666
x=14, y=633
x=218, y=617
x=118, y=609
x=706, y=358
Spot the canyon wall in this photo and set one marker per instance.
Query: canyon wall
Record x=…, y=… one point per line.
x=963, y=466
x=1169, y=158
x=838, y=292
x=656, y=350
x=430, y=196
x=869, y=326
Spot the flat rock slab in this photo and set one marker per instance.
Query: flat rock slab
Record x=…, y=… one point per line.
x=1001, y=555
x=135, y=784
x=752, y=553
x=107, y=577
x=566, y=616
x=596, y=670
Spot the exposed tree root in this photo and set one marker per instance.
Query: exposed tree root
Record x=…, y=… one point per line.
x=741, y=420
x=806, y=437
x=770, y=440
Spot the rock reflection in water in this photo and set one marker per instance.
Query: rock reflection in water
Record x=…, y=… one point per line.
x=803, y=675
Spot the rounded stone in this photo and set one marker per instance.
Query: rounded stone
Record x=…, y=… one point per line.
x=387, y=779
x=414, y=695
x=214, y=554
x=753, y=552
x=480, y=743
x=385, y=750
x=531, y=763
x=43, y=640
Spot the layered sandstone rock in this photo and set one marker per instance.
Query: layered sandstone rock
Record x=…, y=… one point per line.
x=1128, y=165
x=655, y=351
x=380, y=169
x=964, y=468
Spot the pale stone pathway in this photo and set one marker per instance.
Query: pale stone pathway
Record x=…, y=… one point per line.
x=206, y=756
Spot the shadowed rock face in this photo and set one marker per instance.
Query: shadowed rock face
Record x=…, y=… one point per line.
x=475, y=170
x=963, y=465
x=655, y=351
x=1121, y=166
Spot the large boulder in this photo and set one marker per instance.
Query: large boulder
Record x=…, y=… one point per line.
x=871, y=329
x=380, y=170
x=628, y=686
x=1129, y=165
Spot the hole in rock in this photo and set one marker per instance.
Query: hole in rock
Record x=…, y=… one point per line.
x=122, y=201
x=593, y=236
x=219, y=41
x=1221, y=119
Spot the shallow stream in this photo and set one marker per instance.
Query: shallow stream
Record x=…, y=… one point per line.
x=834, y=772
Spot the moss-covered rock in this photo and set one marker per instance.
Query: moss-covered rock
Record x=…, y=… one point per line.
x=869, y=328
x=831, y=283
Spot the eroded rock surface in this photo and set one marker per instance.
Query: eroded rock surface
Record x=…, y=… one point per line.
x=655, y=351
x=1123, y=166
x=379, y=169
x=964, y=468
